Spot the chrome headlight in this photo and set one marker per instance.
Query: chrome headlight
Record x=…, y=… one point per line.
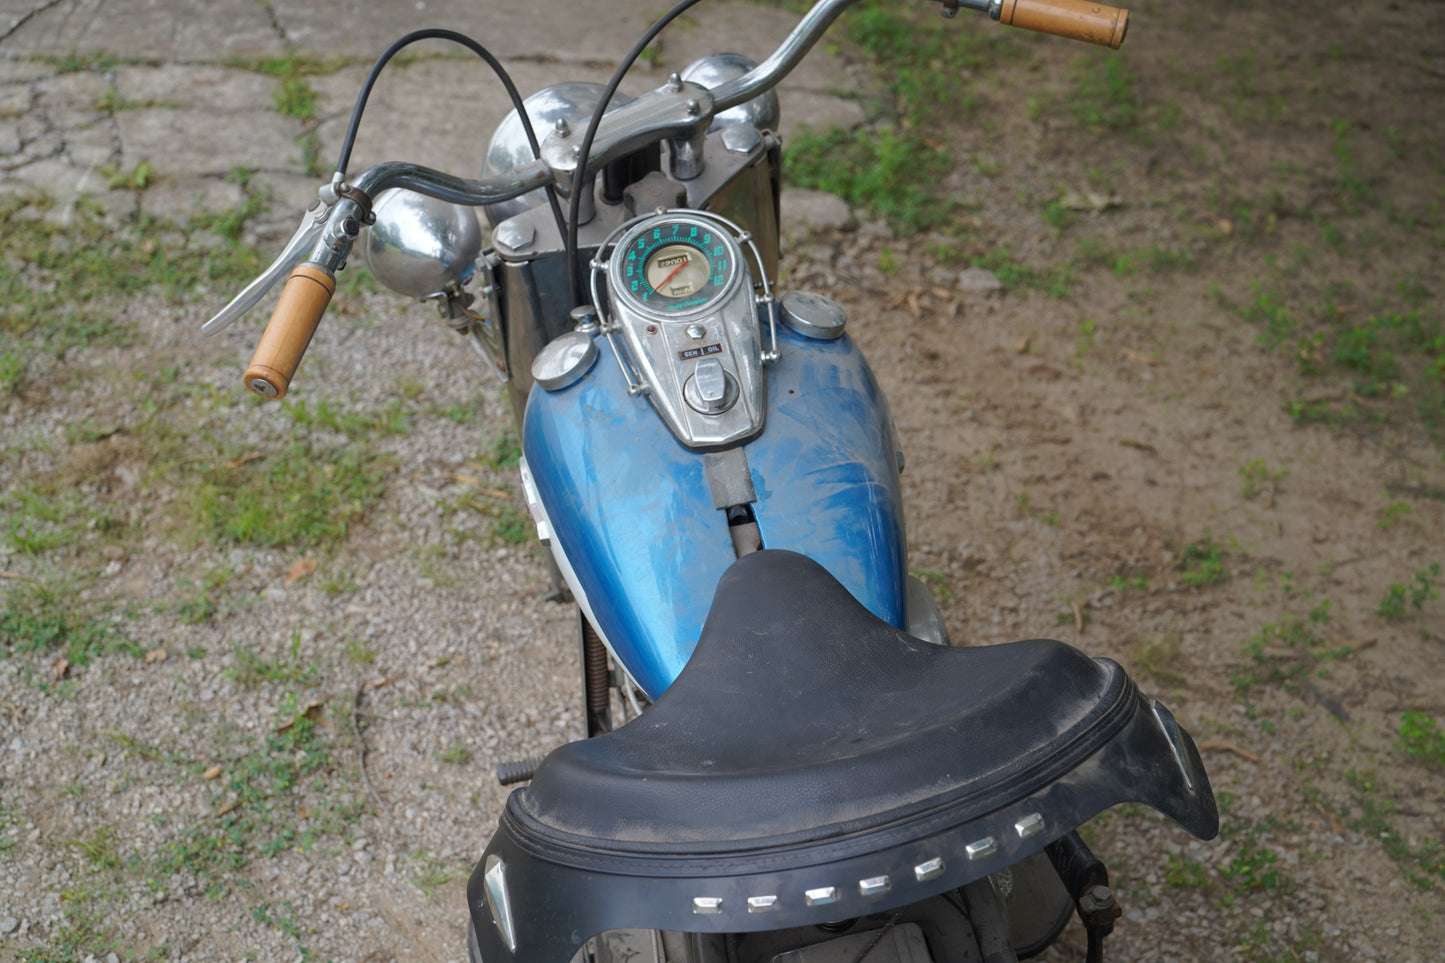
x=421, y=246
x=573, y=102
x=713, y=70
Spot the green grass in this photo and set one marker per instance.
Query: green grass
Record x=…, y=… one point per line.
x=279, y=792
x=937, y=583
x=301, y=495
x=885, y=171
x=1105, y=95
x=1203, y=563
x=1421, y=738
x=1292, y=647
x=1423, y=588
x=80, y=935
x=433, y=874
x=1422, y=860
x=60, y=283
x=1254, y=868
x=296, y=98
x=40, y=617
x=891, y=167
x=1257, y=479
x=456, y=754
x=253, y=669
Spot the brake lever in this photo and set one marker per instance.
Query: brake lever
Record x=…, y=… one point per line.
x=300, y=245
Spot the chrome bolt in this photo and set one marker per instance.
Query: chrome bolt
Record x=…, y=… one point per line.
x=693, y=108
x=674, y=83
x=740, y=138
x=515, y=235
x=561, y=127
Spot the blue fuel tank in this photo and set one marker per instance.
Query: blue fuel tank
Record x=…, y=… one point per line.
x=632, y=516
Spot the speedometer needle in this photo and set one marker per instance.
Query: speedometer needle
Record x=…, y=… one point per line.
x=685, y=262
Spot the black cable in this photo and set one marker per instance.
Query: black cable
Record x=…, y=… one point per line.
x=574, y=206
x=437, y=33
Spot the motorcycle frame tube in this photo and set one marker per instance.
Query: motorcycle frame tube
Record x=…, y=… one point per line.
x=632, y=522
x=561, y=897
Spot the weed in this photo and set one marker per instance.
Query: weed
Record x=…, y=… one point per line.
x=937, y=583
x=453, y=694
x=1280, y=325
x=137, y=179
x=505, y=453
x=1423, y=865
x=360, y=650
x=1351, y=176
x=1053, y=281
x=1161, y=658
x=890, y=167
x=1289, y=648
x=197, y=602
x=1106, y=96
x=281, y=922
x=434, y=873
x=1258, y=479
x=300, y=496
x=1421, y=738
x=42, y=521
x=80, y=935
x=455, y=754
x=1203, y=563
x=99, y=849
x=920, y=59
x=252, y=668
x=1391, y=514
x=1057, y=216
x=73, y=274
x=388, y=420
x=1253, y=869
x=882, y=170
x=1084, y=341
x=1421, y=590
x=1182, y=872
x=258, y=812
x=1120, y=583
x=39, y=618
x=12, y=371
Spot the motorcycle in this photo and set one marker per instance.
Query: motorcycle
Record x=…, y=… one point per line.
x=787, y=759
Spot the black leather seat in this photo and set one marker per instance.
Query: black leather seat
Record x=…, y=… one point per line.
x=803, y=718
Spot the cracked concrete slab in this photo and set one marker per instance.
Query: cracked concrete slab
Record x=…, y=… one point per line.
x=93, y=88
x=194, y=30
x=198, y=87
x=187, y=143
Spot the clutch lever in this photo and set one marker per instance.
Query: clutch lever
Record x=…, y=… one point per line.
x=300, y=245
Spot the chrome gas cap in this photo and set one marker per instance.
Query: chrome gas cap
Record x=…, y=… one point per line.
x=564, y=361
x=812, y=315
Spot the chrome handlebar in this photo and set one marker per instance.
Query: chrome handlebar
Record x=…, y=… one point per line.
x=678, y=111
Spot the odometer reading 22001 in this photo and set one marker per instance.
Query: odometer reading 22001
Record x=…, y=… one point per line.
x=676, y=265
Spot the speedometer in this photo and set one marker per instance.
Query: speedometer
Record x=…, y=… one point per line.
x=677, y=264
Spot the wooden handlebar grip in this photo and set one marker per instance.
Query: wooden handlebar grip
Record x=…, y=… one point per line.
x=1075, y=19
x=303, y=301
